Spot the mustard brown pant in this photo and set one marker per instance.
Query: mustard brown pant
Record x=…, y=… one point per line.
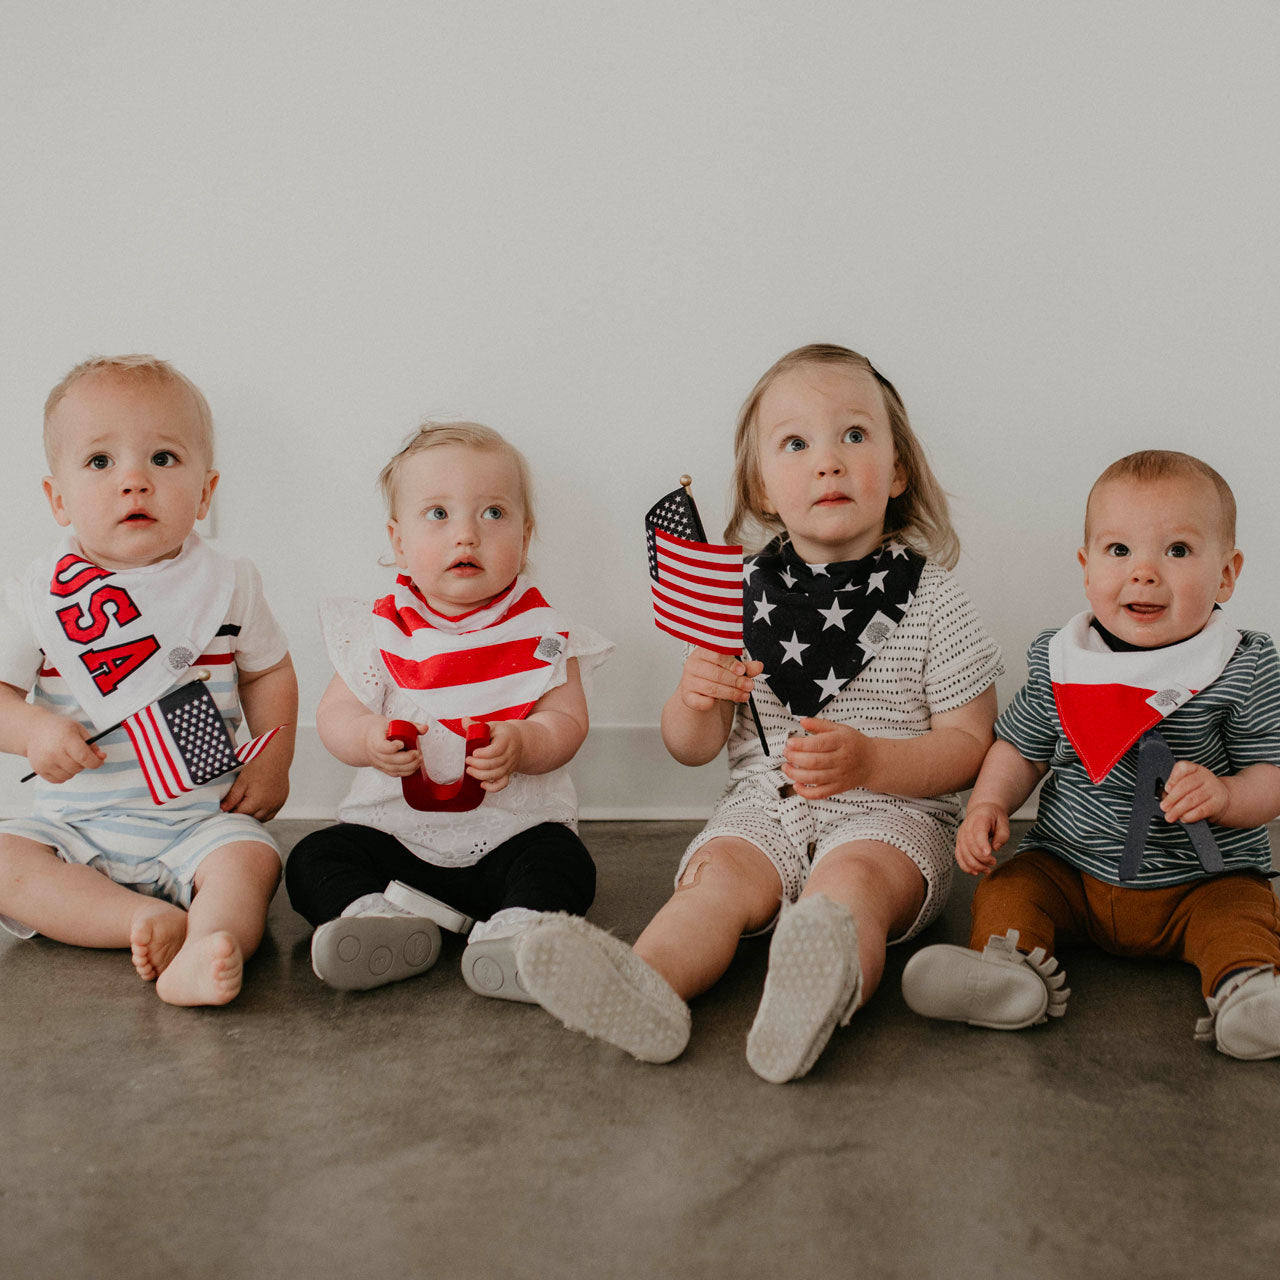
x=1220, y=924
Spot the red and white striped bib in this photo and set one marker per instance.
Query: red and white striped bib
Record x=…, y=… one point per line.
x=493, y=663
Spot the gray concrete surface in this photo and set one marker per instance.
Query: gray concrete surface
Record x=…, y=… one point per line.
x=421, y=1130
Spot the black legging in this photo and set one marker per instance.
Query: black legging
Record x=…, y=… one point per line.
x=546, y=868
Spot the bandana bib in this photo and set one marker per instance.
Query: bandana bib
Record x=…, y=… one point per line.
x=1107, y=700
x=493, y=663
x=122, y=637
x=815, y=626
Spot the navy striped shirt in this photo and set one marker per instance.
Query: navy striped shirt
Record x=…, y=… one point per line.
x=1233, y=723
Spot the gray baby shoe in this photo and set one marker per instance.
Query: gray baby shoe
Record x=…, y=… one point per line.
x=996, y=987
x=1244, y=1016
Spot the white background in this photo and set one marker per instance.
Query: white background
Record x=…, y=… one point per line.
x=594, y=225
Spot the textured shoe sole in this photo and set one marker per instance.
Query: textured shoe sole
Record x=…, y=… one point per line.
x=489, y=969
x=812, y=984
x=594, y=983
x=961, y=985
x=1249, y=1028
x=359, y=953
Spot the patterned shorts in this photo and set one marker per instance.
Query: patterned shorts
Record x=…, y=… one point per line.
x=149, y=853
x=793, y=833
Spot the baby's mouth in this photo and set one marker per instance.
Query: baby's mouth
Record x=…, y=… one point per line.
x=1140, y=610
x=464, y=566
x=138, y=517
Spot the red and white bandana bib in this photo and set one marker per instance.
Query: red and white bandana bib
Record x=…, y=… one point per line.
x=1107, y=700
x=123, y=637
x=493, y=663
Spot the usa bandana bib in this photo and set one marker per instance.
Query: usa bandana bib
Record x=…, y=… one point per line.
x=815, y=626
x=493, y=663
x=1107, y=700
x=122, y=637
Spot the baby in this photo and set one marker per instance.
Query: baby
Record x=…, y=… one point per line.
x=1155, y=653
x=127, y=606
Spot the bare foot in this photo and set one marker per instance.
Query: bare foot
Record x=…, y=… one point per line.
x=207, y=970
x=155, y=935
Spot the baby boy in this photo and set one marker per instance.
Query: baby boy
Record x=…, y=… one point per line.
x=1155, y=656
x=131, y=603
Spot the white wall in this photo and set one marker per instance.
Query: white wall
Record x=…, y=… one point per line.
x=594, y=225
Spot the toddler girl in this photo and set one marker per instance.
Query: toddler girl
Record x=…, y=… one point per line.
x=848, y=823
x=463, y=637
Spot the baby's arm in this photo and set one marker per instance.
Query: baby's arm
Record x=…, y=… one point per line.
x=836, y=757
x=355, y=735
x=1249, y=798
x=548, y=737
x=1006, y=780
x=697, y=718
x=269, y=698
x=54, y=745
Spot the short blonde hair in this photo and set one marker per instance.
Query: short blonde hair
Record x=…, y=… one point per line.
x=1168, y=464
x=919, y=516
x=135, y=368
x=471, y=435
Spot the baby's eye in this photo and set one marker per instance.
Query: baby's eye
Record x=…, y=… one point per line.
x=163, y=458
x=855, y=435
x=99, y=462
x=436, y=513
x=1116, y=549
x=1179, y=551
x=492, y=513
x=793, y=444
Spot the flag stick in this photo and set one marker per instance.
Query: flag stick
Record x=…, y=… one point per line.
x=202, y=674
x=686, y=483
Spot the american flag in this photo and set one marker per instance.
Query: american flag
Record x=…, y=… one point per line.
x=182, y=742
x=696, y=585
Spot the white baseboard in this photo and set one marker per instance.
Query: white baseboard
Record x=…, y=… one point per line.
x=623, y=772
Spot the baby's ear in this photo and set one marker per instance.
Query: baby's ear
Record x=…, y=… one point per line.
x=1230, y=575
x=54, y=495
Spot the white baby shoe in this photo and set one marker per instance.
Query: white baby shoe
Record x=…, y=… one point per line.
x=489, y=959
x=594, y=982
x=374, y=942
x=996, y=987
x=1244, y=1015
x=814, y=982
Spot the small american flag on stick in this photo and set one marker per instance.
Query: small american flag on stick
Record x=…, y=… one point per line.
x=696, y=585
x=182, y=742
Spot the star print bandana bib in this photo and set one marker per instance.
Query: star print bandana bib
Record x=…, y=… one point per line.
x=815, y=626
x=122, y=637
x=1107, y=700
x=493, y=663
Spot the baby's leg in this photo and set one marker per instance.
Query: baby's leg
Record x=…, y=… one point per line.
x=77, y=904
x=233, y=888
x=827, y=954
x=635, y=998
x=881, y=888
x=729, y=888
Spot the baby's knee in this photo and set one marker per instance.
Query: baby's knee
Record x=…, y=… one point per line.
x=731, y=870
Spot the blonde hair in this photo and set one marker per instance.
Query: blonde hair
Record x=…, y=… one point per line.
x=142, y=369
x=471, y=435
x=919, y=516
x=1164, y=464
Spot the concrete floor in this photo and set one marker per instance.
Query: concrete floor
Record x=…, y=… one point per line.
x=423, y=1131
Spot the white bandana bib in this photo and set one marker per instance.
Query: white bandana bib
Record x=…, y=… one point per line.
x=1107, y=699
x=122, y=637
x=493, y=663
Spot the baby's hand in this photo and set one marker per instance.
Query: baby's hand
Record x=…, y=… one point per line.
x=57, y=750
x=710, y=677
x=828, y=758
x=983, y=831
x=390, y=755
x=261, y=787
x=492, y=766
x=1193, y=792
